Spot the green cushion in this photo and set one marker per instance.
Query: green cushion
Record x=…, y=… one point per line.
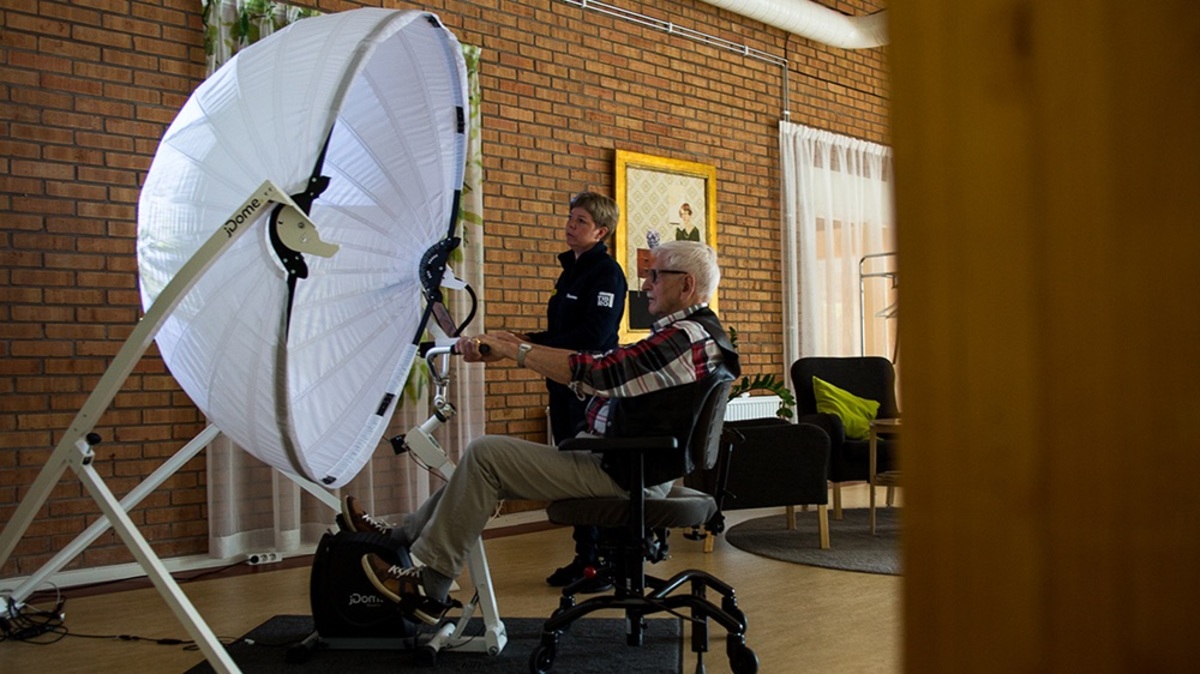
x=856, y=413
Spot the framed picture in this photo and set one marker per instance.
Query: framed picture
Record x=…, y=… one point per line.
x=661, y=199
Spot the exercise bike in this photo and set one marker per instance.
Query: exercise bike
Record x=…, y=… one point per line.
x=348, y=612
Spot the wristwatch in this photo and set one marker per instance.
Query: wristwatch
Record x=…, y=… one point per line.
x=521, y=351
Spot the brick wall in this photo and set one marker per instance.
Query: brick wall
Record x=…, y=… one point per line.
x=88, y=86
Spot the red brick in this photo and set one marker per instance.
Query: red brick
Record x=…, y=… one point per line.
x=127, y=24
x=92, y=174
x=101, y=36
x=103, y=108
x=104, y=141
x=43, y=349
x=75, y=226
x=74, y=154
x=103, y=72
x=16, y=21
x=134, y=59
x=42, y=277
x=75, y=190
x=38, y=314
x=38, y=62
x=131, y=93
x=75, y=85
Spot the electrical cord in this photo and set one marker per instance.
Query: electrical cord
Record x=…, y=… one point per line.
x=188, y=644
x=26, y=623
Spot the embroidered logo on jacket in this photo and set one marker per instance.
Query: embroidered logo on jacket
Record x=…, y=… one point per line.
x=604, y=300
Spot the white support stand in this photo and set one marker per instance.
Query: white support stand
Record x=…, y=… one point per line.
x=131, y=501
x=75, y=448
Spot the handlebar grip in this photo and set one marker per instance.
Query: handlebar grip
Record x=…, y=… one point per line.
x=483, y=349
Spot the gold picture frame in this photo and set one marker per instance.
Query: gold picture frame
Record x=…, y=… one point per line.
x=660, y=199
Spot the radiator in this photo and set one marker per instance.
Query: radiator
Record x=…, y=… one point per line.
x=751, y=407
x=742, y=407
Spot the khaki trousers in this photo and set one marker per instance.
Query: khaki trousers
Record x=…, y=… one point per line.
x=497, y=467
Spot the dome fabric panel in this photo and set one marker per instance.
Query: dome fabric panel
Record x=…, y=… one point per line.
x=388, y=89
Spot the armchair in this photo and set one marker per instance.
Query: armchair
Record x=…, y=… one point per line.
x=625, y=523
x=870, y=377
x=766, y=463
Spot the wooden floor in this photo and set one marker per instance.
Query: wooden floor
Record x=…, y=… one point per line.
x=800, y=618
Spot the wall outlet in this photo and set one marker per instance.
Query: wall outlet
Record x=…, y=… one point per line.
x=257, y=558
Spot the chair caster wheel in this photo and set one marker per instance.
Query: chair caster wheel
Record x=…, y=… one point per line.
x=742, y=660
x=542, y=658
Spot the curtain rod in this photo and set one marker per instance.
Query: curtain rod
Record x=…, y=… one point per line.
x=671, y=28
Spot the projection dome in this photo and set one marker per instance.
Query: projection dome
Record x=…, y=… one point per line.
x=376, y=101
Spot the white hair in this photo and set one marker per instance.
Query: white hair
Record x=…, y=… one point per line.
x=697, y=259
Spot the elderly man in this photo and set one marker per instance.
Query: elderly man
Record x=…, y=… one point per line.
x=687, y=344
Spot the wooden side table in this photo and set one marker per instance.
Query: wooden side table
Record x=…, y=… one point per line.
x=889, y=478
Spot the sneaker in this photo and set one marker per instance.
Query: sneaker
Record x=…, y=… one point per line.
x=405, y=587
x=360, y=521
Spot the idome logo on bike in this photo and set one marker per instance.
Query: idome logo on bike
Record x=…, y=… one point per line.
x=232, y=224
x=368, y=599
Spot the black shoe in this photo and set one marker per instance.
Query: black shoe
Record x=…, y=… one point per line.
x=577, y=571
x=565, y=575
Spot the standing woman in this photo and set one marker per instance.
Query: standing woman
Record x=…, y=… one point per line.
x=583, y=314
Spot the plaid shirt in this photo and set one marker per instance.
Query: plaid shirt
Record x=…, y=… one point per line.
x=677, y=352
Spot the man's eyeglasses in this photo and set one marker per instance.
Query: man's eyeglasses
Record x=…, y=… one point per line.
x=655, y=273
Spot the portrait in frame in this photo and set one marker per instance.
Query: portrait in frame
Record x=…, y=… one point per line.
x=661, y=199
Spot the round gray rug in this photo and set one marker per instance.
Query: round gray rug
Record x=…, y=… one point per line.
x=852, y=547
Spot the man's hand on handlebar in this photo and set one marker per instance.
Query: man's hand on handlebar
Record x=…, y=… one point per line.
x=488, y=348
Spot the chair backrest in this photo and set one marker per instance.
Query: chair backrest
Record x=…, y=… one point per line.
x=704, y=445
x=673, y=412
x=870, y=377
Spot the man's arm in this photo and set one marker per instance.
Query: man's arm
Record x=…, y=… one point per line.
x=678, y=354
x=551, y=363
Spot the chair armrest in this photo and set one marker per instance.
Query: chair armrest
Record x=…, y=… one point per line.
x=618, y=444
x=830, y=423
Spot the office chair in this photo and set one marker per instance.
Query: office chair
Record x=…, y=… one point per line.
x=626, y=545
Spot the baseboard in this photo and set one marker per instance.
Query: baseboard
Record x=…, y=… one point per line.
x=502, y=525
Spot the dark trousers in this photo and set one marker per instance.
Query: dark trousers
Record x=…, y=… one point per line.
x=568, y=416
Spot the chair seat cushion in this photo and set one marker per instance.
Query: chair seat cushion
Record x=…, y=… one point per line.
x=683, y=507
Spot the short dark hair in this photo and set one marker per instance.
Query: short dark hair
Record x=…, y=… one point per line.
x=604, y=210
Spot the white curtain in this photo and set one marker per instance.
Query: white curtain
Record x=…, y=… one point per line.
x=838, y=236
x=254, y=508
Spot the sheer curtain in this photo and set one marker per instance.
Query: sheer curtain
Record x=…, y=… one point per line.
x=254, y=508
x=838, y=223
